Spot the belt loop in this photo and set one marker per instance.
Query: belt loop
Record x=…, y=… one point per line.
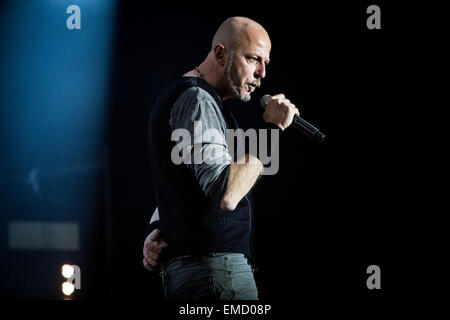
x=162, y=275
x=163, y=268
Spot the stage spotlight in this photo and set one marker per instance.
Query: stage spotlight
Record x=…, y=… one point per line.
x=67, y=271
x=72, y=273
x=68, y=288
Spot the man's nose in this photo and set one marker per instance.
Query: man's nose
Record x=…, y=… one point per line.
x=261, y=71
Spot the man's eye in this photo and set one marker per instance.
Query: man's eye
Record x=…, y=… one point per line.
x=253, y=59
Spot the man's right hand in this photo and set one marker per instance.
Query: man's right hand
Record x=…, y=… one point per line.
x=280, y=111
x=153, y=246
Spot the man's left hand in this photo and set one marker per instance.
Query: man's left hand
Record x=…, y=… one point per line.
x=153, y=246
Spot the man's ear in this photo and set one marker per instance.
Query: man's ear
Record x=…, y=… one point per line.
x=219, y=54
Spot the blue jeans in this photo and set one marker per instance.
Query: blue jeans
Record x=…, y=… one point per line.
x=214, y=276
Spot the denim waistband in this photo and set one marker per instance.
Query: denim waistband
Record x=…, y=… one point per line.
x=209, y=258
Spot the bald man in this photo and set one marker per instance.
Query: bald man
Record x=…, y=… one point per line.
x=201, y=231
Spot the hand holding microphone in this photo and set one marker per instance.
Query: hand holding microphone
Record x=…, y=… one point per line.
x=281, y=112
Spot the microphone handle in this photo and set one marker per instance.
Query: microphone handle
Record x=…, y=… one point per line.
x=302, y=125
x=308, y=129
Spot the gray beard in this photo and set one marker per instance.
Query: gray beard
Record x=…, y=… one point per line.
x=234, y=89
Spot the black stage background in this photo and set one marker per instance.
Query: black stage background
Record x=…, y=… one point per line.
x=334, y=208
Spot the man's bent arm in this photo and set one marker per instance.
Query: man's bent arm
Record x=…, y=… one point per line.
x=155, y=216
x=154, y=223
x=241, y=179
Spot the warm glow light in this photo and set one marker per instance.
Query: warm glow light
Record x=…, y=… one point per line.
x=68, y=288
x=67, y=271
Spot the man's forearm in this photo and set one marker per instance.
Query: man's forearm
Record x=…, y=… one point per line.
x=241, y=179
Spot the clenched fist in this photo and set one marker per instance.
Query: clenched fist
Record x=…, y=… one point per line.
x=280, y=111
x=153, y=246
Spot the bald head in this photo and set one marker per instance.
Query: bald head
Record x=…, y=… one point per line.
x=237, y=32
x=237, y=60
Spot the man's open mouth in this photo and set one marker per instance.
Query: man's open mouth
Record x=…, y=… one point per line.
x=251, y=86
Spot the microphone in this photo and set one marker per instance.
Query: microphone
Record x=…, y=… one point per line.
x=302, y=125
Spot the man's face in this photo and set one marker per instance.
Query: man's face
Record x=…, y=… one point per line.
x=245, y=67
